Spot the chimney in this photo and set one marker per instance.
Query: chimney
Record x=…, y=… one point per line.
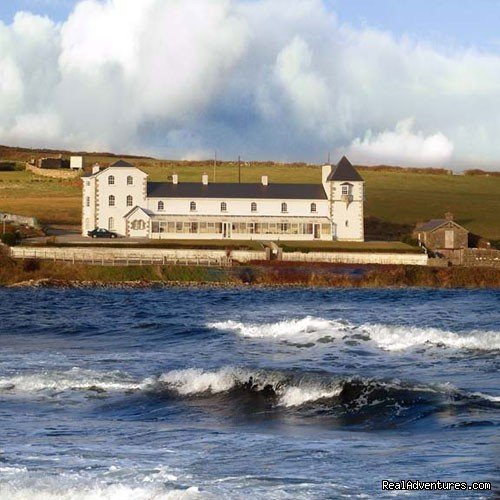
x=265, y=180
x=96, y=168
x=175, y=179
x=204, y=179
x=448, y=216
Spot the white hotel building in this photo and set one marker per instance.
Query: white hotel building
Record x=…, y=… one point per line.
x=120, y=198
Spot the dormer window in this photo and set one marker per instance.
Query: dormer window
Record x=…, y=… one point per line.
x=111, y=180
x=130, y=180
x=313, y=207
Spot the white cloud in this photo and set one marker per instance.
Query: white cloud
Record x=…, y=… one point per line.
x=262, y=78
x=402, y=146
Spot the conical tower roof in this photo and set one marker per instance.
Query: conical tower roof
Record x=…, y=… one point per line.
x=344, y=171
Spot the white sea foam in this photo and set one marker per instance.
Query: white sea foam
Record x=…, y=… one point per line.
x=104, y=492
x=297, y=396
x=307, y=328
x=289, y=393
x=386, y=337
x=74, y=379
x=397, y=338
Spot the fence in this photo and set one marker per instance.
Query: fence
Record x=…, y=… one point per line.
x=108, y=257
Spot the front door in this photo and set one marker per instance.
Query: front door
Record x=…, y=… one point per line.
x=226, y=230
x=317, y=231
x=449, y=239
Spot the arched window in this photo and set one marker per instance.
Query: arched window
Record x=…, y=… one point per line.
x=192, y=206
x=313, y=207
x=111, y=223
x=284, y=208
x=223, y=207
x=111, y=200
x=130, y=201
x=130, y=180
x=161, y=206
x=111, y=180
x=253, y=207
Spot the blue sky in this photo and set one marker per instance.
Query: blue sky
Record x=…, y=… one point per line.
x=413, y=82
x=471, y=23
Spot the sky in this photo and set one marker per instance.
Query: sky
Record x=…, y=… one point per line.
x=400, y=82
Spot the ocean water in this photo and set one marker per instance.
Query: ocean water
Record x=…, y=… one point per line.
x=202, y=393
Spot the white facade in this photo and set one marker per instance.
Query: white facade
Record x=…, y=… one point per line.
x=120, y=199
x=76, y=162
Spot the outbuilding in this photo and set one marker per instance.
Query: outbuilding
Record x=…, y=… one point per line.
x=442, y=234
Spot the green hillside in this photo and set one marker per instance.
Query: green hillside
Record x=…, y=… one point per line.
x=394, y=197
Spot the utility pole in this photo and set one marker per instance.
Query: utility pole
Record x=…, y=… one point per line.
x=215, y=163
x=239, y=169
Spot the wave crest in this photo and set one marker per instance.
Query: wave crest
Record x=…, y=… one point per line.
x=386, y=337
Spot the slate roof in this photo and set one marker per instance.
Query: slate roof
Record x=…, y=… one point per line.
x=434, y=224
x=245, y=191
x=122, y=163
x=344, y=171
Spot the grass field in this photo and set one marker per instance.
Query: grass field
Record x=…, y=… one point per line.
x=395, y=197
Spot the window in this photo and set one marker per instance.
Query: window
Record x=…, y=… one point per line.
x=111, y=200
x=346, y=223
x=111, y=180
x=111, y=223
x=87, y=183
x=87, y=201
x=161, y=206
x=193, y=227
x=192, y=206
x=138, y=225
x=130, y=201
x=253, y=207
x=130, y=180
x=313, y=207
x=223, y=207
x=284, y=208
x=345, y=189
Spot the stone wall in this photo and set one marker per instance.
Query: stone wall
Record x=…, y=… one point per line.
x=358, y=258
x=55, y=174
x=480, y=257
x=19, y=219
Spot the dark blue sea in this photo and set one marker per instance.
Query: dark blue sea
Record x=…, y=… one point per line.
x=246, y=394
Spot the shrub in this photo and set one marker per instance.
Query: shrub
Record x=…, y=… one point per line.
x=7, y=166
x=31, y=265
x=10, y=239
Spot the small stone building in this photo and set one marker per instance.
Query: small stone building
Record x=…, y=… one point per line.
x=442, y=235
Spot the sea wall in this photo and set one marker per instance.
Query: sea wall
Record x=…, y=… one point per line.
x=358, y=258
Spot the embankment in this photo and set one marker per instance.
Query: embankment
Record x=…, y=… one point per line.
x=44, y=273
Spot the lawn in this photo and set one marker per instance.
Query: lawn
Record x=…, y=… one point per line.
x=402, y=198
x=348, y=246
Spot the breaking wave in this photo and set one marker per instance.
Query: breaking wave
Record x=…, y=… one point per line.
x=386, y=337
x=114, y=484
x=319, y=393
x=75, y=379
